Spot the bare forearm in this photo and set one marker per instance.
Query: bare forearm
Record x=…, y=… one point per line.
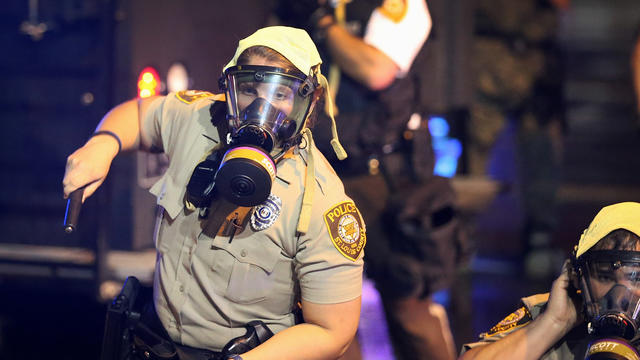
x=89, y=165
x=530, y=342
x=360, y=60
x=328, y=330
x=301, y=342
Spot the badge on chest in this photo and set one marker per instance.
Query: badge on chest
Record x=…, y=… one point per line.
x=265, y=214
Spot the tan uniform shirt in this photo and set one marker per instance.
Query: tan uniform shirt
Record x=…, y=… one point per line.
x=205, y=288
x=571, y=346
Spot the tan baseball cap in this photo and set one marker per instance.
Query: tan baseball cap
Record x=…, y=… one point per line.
x=624, y=215
x=294, y=44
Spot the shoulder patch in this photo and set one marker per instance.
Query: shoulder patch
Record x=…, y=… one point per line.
x=394, y=9
x=515, y=320
x=346, y=229
x=189, y=96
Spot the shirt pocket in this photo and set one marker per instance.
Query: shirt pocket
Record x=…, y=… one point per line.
x=252, y=274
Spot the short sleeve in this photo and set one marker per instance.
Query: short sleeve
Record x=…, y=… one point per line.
x=329, y=257
x=164, y=121
x=399, y=36
x=150, y=123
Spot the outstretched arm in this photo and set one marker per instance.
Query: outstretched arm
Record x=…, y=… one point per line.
x=533, y=340
x=90, y=164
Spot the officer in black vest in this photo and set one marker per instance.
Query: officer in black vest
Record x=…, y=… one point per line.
x=414, y=237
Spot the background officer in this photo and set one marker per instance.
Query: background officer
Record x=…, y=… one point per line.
x=414, y=237
x=273, y=232
x=601, y=321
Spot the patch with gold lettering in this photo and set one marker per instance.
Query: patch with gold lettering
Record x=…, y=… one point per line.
x=189, y=96
x=394, y=9
x=515, y=320
x=346, y=229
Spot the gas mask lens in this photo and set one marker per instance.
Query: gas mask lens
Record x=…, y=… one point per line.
x=611, y=281
x=267, y=105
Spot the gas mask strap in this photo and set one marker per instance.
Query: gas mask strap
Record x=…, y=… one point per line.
x=335, y=142
x=309, y=186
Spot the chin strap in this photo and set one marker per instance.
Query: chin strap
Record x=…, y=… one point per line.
x=335, y=142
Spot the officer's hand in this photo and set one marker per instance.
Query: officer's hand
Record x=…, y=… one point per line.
x=302, y=13
x=563, y=309
x=89, y=165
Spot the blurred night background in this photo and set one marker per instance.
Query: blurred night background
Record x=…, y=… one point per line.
x=65, y=63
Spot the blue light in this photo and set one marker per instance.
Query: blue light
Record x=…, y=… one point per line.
x=447, y=150
x=438, y=126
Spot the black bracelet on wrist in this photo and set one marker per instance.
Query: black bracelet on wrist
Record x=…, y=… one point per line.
x=110, y=133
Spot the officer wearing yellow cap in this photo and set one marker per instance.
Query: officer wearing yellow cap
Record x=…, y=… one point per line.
x=255, y=223
x=592, y=309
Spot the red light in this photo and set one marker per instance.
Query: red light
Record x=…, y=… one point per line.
x=148, y=82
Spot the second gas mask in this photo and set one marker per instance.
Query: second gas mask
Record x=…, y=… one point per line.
x=610, y=284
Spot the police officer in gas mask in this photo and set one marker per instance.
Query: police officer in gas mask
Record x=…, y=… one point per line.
x=255, y=225
x=593, y=309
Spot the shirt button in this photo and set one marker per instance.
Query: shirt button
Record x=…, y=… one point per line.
x=243, y=253
x=181, y=288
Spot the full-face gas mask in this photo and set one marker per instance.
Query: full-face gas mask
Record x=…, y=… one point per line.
x=267, y=107
x=610, y=285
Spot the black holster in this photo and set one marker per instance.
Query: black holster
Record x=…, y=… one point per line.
x=123, y=314
x=133, y=331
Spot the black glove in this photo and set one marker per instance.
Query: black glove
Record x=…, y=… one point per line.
x=304, y=14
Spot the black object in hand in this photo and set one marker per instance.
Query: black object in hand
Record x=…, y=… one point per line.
x=72, y=213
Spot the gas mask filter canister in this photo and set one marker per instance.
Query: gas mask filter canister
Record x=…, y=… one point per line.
x=245, y=175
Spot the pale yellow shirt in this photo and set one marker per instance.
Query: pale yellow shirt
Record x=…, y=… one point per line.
x=205, y=288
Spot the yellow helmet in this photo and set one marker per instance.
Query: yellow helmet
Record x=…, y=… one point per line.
x=624, y=215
